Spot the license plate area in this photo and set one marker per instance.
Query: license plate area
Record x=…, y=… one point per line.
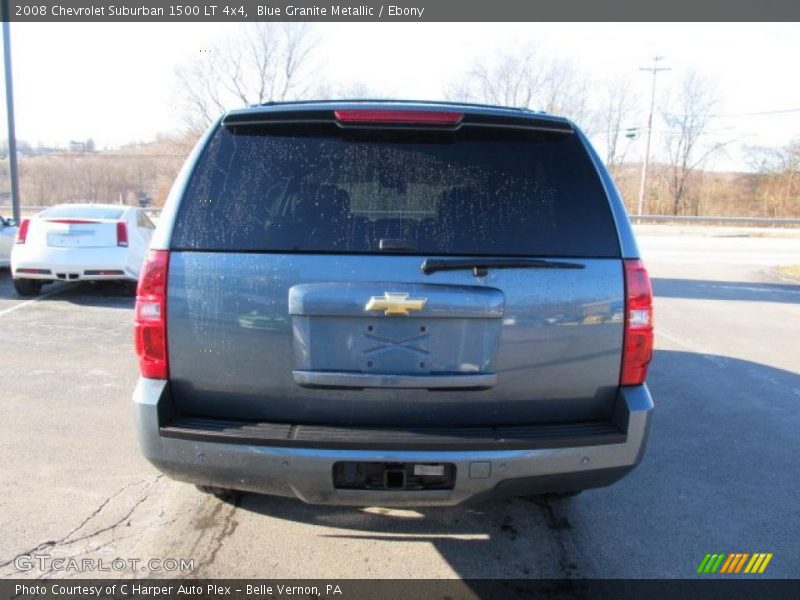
x=63, y=240
x=393, y=476
x=411, y=346
x=342, y=340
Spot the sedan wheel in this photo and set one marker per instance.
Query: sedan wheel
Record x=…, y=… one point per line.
x=27, y=287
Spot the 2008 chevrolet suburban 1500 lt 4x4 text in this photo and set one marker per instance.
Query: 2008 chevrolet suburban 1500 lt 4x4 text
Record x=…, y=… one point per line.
x=393, y=303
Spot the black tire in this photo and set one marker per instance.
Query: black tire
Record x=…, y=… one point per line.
x=218, y=492
x=27, y=287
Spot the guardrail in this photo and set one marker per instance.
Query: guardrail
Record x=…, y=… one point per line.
x=757, y=221
x=5, y=210
x=688, y=220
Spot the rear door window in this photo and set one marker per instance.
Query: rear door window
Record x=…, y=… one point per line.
x=143, y=221
x=319, y=189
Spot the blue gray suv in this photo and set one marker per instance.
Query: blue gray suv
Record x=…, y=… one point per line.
x=394, y=303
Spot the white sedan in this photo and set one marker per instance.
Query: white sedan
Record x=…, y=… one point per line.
x=8, y=231
x=80, y=242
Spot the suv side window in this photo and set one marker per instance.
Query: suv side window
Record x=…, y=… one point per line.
x=144, y=221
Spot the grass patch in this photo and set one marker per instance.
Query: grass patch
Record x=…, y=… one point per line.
x=791, y=271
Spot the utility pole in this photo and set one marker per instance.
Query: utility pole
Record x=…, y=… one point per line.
x=654, y=70
x=12, y=137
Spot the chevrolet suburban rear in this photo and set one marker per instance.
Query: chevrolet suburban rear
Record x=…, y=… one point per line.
x=394, y=303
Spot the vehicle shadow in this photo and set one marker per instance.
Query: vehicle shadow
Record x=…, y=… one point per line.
x=697, y=289
x=108, y=294
x=706, y=449
x=513, y=538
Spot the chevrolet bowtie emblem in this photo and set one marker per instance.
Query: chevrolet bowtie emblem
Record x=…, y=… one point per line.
x=395, y=304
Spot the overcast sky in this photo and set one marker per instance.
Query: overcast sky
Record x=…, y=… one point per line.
x=115, y=82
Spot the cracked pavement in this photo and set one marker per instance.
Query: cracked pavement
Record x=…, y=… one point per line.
x=720, y=473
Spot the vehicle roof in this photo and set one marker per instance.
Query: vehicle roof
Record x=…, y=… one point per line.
x=124, y=208
x=375, y=103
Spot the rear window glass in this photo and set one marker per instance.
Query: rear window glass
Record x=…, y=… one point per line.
x=82, y=212
x=476, y=191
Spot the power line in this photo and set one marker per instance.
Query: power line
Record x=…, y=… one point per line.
x=654, y=69
x=13, y=175
x=667, y=131
x=745, y=114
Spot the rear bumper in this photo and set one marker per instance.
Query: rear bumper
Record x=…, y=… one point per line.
x=307, y=472
x=73, y=264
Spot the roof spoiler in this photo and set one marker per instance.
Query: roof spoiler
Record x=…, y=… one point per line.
x=270, y=116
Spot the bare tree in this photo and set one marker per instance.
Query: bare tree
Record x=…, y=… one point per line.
x=510, y=79
x=349, y=90
x=264, y=62
x=524, y=79
x=777, y=178
x=615, y=116
x=566, y=92
x=686, y=129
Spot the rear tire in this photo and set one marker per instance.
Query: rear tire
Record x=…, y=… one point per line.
x=27, y=287
x=217, y=492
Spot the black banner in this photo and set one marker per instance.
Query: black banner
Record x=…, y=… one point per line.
x=402, y=10
x=388, y=589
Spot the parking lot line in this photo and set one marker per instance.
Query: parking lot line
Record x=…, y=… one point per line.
x=52, y=292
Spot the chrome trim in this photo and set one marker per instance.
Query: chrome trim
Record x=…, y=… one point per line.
x=395, y=303
x=388, y=380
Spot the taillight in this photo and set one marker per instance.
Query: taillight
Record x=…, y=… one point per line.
x=122, y=233
x=22, y=232
x=408, y=117
x=150, y=314
x=638, y=341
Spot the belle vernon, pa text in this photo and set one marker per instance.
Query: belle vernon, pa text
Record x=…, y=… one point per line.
x=212, y=589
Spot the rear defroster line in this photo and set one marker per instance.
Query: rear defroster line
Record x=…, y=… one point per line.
x=480, y=266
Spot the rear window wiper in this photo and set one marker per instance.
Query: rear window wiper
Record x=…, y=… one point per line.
x=480, y=266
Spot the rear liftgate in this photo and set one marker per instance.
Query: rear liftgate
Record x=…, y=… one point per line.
x=383, y=335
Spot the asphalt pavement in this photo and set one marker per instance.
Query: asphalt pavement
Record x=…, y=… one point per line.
x=720, y=474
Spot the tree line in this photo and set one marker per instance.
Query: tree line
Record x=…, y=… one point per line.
x=273, y=62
